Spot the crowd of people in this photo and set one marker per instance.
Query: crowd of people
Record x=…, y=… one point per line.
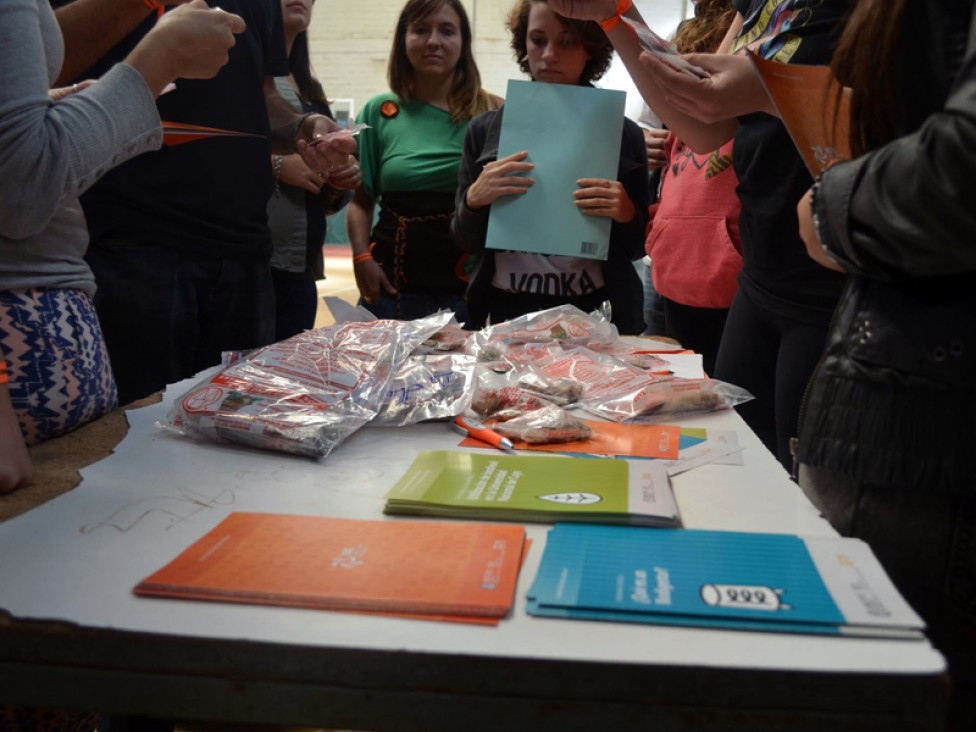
x=845, y=304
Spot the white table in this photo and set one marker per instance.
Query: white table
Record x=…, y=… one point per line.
x=76, y=635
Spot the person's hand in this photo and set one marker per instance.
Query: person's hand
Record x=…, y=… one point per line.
x=585, y=9
x=731, y=89
x=63, y=92
x=15, y=464
x=371, y=280
x=294, y=172
x=190, y=42
x=495, y=181
x=347, y=176
x=602, y=197
x=815, y=250
x=324, y=146
x=654, y=140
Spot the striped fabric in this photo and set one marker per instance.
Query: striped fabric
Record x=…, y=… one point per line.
x=60, y=375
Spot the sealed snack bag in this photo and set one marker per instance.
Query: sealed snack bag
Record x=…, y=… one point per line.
x=306, y=394
x=666, y=398
x=428, y=387
x=566, y=324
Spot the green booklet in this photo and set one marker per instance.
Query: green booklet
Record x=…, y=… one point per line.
x=535, y=488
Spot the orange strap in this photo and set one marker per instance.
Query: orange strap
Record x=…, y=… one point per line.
x=153, y=5
x=610, y=23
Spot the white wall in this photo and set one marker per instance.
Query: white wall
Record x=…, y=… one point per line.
x=350, y=42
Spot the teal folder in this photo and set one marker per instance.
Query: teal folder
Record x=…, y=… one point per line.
x=719, y=579
x=571, y=132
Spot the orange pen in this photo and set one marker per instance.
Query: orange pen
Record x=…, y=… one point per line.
x=478, y=431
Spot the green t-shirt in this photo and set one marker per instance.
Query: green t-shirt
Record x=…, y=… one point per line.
x=411, y=146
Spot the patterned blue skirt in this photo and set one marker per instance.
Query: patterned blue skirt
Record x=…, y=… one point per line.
x=60, y=375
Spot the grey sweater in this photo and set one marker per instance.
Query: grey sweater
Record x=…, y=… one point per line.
x=50, y=152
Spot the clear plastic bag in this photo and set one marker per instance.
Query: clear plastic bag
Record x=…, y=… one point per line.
x=565, y=324
x=306, y=394
x=496, y=396
x=665, y=398
x=549, y=425
x=428, y=387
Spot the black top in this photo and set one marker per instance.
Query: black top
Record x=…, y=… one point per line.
x=209, y=196
x=776, y=271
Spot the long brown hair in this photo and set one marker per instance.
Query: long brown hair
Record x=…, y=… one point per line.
x=887, y=54
x=594, y=40
x=703, y=32
x=466, y=98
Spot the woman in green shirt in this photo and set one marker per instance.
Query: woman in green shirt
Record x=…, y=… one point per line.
x=408, y=266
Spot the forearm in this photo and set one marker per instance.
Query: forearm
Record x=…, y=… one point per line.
x=15, y=465
x=359, y=218
x=91, y=28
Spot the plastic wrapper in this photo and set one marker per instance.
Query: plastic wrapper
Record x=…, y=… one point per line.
x=560, y=390
x=666, y=398
x=565, y=324
x=497, y=397
x=651, y=42
x=602, y=376
x=549, y=425
x=452, y=337
x=306, y=394
x=428, y=387
x=633, y=356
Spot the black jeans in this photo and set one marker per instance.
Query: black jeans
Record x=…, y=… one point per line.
x=166, y=314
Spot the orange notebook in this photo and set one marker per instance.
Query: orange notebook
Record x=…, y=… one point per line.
x=807, y=102
x=424, y=567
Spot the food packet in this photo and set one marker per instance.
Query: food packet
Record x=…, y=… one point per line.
x=549, y=425
x=306, y=394
x=565, y=324
x=665, y=398
x=497, y=397
x=452, y=337
x=428, y=387
x=561, y=390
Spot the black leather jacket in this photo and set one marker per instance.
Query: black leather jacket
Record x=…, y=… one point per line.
x=893, y=401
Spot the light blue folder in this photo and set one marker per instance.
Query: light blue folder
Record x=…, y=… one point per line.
x=571, y=132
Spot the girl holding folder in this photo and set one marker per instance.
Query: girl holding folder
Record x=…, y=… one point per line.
x=505, y=285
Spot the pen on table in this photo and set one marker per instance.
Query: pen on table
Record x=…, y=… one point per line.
x=478, y=431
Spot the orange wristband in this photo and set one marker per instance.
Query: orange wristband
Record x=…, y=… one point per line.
x=610, y=23
x=362, y=257
x=4, y=376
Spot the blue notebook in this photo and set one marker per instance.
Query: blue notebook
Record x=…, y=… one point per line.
x=571, y=132
x=719, y=579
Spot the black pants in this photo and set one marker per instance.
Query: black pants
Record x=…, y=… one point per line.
x=699, y=329
x=771, y=356
x=167, y=315
x=296, y=302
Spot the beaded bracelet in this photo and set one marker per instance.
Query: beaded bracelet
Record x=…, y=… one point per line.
x=610, y=23
x=4, y=376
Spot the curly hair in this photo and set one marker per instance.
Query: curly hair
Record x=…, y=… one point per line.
x=704, y=32
x=589, y=33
